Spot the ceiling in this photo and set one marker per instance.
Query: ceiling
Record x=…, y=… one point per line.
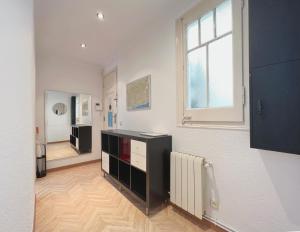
x=62, y=25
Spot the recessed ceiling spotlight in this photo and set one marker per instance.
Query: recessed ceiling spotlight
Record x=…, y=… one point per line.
x=83, y=45
x=100, y=16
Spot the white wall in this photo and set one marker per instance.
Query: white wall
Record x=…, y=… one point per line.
x=58, y=127
x=258, y=190
x=54, y=73
x=17, y=75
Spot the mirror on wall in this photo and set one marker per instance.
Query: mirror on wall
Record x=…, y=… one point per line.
x=59, y=109
x=68, y=124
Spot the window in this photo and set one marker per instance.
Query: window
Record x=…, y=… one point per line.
x=209, y=48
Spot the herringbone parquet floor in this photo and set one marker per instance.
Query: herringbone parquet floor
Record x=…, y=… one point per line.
x=80, y=199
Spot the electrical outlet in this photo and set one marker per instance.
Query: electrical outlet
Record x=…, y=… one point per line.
x=214, y=204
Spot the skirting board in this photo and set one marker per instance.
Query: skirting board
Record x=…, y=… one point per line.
x=204, y=224
x=59, y=142
x=73, y=160
x=73, y=165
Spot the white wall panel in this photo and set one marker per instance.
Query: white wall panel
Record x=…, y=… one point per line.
x=17, y=92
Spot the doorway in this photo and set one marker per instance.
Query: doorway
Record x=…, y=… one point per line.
x=110, y=101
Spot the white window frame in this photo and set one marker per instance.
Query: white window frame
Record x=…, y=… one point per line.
x=210, y=116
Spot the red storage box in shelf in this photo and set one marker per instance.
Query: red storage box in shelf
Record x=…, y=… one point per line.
x=124, y=149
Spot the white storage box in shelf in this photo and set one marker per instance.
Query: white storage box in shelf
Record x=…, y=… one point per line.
x=138, y=161
x=138, y=154
x=138, y=147
x=105, y=162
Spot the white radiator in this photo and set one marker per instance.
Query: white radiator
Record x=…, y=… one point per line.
x=186, y=182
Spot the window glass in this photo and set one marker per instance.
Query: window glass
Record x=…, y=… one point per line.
x=197, y=78
x=224, y=18
x=221, y=73
x=193, y=35
x=207, y=27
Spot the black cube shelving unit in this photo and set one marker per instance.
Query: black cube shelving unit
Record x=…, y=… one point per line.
x=146, y=175
x=81, y=138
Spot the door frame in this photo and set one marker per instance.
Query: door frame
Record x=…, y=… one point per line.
x=115, y=69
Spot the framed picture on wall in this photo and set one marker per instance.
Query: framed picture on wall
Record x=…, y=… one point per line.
x=138, y=94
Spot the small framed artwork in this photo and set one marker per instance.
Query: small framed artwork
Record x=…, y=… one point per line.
x=138, y=94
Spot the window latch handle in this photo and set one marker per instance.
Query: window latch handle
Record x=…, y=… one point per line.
x=259, y=107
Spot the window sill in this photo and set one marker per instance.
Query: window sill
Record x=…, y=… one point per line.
x=214, y=127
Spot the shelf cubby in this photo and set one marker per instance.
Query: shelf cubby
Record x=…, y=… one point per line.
x=104, y=139
x=73, y=140
x=113, y=142
x=113, y=167
x=124, y=173
x=76, y=132
x=124, y=149
x=138, y=182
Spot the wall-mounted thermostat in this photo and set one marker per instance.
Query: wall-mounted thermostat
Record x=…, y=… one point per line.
x=98, y=106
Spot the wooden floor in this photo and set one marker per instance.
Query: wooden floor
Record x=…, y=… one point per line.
x=60, y=150
x=81, y=199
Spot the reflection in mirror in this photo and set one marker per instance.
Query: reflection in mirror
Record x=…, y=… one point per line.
x=59, y=109
x=85, y=108
x=68, y=120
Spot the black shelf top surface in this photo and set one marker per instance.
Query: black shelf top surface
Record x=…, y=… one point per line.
x=80, y=125
x=132, y=134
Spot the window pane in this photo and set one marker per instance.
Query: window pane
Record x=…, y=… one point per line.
x=193, y=35
x=207, y=27
x=197, y=90
x=224, y=18
x=221, y=73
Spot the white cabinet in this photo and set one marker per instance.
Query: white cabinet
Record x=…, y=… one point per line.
x=105, y=162
x=138, y=154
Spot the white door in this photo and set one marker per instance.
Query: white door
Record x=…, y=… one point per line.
x=110, y=101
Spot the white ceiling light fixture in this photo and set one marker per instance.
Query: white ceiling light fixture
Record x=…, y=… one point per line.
x=83, y=45
x=100, y=16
